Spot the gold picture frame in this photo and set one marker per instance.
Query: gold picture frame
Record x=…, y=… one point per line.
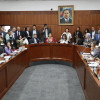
x=66, y=15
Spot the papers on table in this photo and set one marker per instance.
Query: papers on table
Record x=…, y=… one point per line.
x=90, y=58
x=86, y=53
x=7, y=57
x=25, y=48
x=93, y=64
x=2, y=61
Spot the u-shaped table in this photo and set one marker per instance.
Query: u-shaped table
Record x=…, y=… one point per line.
x=11, y=70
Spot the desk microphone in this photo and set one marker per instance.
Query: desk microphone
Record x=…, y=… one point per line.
x=82, y=51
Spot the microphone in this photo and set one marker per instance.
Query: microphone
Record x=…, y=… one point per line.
x=83, y=51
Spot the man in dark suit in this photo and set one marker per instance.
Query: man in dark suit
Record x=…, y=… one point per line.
x=34, y=39
x=17, y=33
x=78, y=37
x=45, y=32
x=66, y=18
x=27, y=33
x=35, y=31
x=97, y=36
x=93, y=32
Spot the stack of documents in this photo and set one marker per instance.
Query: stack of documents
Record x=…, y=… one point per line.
x=2, y=61
x=93, y=64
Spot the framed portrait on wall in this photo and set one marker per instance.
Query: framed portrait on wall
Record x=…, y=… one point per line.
x=66, y=15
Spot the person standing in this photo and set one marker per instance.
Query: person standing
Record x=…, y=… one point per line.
x=93, y=32
x=34, y=31
x=97, y=36
x=18, y=32
x=27, y=33
x=45, y=32
x=78, y=38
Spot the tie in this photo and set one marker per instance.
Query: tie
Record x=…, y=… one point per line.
x=18, y=33
x=67, y=20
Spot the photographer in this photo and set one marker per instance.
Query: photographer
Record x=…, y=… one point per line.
x=21, y=41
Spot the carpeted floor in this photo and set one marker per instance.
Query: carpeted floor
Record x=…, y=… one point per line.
x=47, y=82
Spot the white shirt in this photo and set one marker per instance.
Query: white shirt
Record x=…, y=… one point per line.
x=63, y=41
x=35, y=40
x=13, y=35
x=69, y=36
x=66, y=19
x=2, y=34
x=46, y=32
x=27, y=33
x=34, y=32
x=93, y=34
x=17, y=33
x=25, y=41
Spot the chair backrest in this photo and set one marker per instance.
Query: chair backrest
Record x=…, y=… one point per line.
x=1, y=49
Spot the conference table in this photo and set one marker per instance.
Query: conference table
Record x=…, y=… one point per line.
x=12, y=69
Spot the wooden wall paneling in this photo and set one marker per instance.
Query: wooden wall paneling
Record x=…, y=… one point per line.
x=2, y=19
x=34, y=19
x=75, y=18
x=46, y=19
x=54, y=18
x=13, y=20
x=7, y=19
x=29, y=19
x=84, y=19
x=93, y=19
x=98, y=20
x=21, y=19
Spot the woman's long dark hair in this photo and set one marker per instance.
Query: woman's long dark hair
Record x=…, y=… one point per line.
x=65, y=36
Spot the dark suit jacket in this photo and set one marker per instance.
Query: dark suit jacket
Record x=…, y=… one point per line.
x=32, y=40
x=44, y=34
x=16, y=36
x=63, y=20
x=80, y=42
x=97, y=38
x=37, y=33
x=1, y=50
x=26, y=35
x=95, y=33
x=4, y=34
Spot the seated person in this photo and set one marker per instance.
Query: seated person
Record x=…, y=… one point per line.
x=86, y=32
x=95, y=50
x=97, y=36
x=21, y=41
x=34, y=39
x=50, y=39
x=10, y=38
x=8, y=49
x=68, y=34
x=78, y=37
x=64, y=39
x=88, y=40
